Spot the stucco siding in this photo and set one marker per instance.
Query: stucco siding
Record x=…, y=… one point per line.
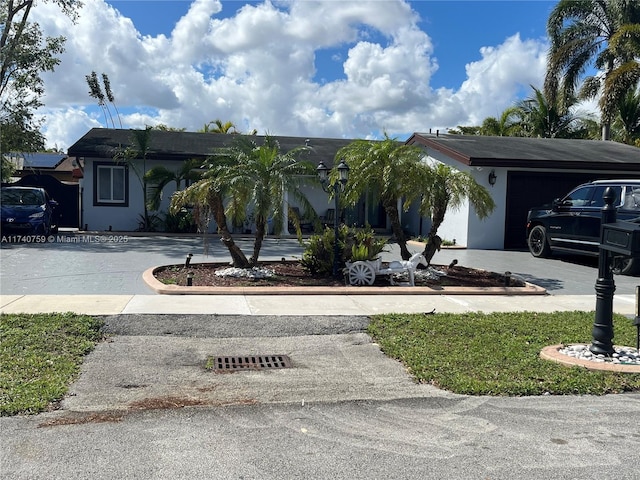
x=127, y=218
x=463, y=225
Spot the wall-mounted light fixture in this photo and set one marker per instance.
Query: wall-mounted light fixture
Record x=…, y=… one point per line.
x=492, y=178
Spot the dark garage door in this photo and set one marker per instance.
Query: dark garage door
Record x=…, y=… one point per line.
x=528, y=189
x=65, y=194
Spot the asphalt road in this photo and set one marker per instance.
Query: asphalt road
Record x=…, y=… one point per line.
x=455, y=438
x=113, y=264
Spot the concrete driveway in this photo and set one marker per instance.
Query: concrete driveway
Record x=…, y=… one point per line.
x=113, y=264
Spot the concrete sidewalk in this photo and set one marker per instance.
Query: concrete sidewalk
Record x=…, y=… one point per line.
x=303, y=304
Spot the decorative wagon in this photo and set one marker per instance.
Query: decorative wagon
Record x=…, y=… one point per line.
x=364, y=272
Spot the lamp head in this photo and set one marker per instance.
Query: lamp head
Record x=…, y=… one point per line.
x=343, y=171
x=322, y=172
x=492, y=178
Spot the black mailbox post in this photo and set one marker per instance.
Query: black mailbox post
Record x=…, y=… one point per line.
x=622, y=238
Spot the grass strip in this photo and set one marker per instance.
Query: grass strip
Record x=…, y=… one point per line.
x=40, y=355
x=498, y=353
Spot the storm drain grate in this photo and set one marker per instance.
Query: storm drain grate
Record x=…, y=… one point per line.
x=251, y=362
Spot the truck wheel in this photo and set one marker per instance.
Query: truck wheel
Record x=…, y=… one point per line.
x=625, y=265
x=537, y=242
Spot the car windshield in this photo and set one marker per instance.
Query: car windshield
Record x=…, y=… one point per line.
x=15, y=196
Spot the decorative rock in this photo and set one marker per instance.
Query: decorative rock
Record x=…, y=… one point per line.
x=622, y=355
x=253, y=273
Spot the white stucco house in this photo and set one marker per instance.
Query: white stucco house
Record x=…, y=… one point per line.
x=519, y=173
x=111, y=192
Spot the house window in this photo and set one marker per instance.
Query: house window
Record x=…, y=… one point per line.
x=110, y=185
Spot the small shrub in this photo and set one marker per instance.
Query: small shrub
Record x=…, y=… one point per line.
x=180, y=222
x=354, y=244
x=152, y=223
x=364, y=244
x=359, y=252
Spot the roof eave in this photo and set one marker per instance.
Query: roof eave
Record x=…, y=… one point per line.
x=425, y=142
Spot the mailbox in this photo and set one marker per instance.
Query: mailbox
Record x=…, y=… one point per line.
x=622, y=238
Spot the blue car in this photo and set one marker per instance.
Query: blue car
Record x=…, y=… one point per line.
x=27, y=211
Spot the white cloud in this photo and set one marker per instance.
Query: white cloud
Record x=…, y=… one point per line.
x=257, y=69
x=68, y=123
x=494, y=81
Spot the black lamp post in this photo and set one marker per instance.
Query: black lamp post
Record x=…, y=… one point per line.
x=337, y=187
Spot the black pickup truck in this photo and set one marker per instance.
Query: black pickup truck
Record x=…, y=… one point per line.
x=572, y=223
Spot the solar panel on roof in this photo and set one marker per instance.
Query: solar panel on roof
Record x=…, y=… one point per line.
x=42, y=160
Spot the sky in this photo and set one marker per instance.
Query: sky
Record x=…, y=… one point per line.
x=329, y=68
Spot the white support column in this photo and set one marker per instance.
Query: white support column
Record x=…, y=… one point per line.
x=285, y=215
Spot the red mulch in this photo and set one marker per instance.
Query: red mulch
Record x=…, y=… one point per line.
x=290, y=274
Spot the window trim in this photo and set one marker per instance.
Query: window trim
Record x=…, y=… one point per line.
x=110, y=203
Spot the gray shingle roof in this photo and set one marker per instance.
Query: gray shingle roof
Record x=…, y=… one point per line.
x=179, y=146
x=532, y=153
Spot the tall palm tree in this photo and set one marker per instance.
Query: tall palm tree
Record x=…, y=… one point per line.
x=447, y=189
x=539, y=117
x=624, y=81
x=580, y=33
x=138, y=150
x=389, y=169
x=159, y=177
x=261, y=177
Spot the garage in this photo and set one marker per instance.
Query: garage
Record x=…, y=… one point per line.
x=520, y=173
x=531, y=189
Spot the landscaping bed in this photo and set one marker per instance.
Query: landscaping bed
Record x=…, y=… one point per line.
x=293, y=274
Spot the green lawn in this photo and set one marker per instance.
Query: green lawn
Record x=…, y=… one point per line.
x=40, y=355
x=497, y=354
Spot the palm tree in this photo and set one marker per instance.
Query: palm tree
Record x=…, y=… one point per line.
x=448, y=188
x=464, y=130
x=261, y=177
x=141, y=145
x=540, y=117
x=159, y=177
x=226, y=127
x=507, y=125
x=206, y=196
x=580, y=33
x=624, y=81
x=389, y=169
x=628, y=120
